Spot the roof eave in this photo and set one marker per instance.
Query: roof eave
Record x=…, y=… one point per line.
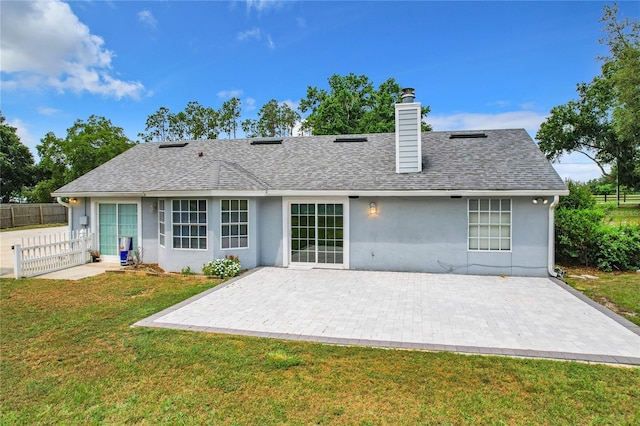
x=325, y=193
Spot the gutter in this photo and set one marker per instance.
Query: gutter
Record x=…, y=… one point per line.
x=551, y=243
x=68, y=206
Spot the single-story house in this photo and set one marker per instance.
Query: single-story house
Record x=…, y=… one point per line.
x=466, y=202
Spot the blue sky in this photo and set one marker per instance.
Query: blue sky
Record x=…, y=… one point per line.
x=478, y=65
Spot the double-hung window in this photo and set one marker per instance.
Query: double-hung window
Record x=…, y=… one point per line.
x=189, y=224
x=234, y=224
x=489, y=224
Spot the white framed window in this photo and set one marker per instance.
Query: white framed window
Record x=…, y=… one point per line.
x=161, y=223
x=189, y=220
x=490, y=224
x=234, y=224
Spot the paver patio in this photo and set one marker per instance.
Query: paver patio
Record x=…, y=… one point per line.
x=522, y=316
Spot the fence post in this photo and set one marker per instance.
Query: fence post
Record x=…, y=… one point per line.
x=17, y=260
x=605, y=198
x=41, y=216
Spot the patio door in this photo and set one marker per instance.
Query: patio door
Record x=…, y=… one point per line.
x=116, y=220
x=317, y=233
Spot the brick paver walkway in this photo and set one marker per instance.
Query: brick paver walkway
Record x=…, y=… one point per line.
x=520, y=316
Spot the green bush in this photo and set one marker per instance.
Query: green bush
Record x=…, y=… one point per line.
x=223, y=268
x=576, y=230
x=579, y=198
x=617, y=248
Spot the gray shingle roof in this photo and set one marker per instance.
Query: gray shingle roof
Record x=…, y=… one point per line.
x=504, y=160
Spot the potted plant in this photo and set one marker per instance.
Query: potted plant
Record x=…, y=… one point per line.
x=95, y=255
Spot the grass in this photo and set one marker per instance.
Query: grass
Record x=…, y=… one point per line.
x=24, y=228
x=69, y=356
x=620, y=215
x=618, y=291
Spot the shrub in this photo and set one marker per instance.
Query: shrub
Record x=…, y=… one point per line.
x=187, y=271
x=579, y=198
x=223, y=268
x=576, y=230
x=617, y=248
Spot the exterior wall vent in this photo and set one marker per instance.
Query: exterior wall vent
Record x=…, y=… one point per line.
x=408, y=134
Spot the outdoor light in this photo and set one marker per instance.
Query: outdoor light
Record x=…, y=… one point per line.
x=372, y=208
x=73, y=200
x=540, y=200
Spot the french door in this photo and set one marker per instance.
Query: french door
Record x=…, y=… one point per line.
x=317, y=233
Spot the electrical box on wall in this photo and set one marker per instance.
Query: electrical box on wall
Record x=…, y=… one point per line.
x=84, y=220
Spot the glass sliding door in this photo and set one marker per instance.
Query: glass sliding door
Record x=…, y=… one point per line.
x=317, y=233
x=116, y=220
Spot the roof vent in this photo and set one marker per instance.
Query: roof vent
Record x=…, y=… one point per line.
x=353, y=139
x=173, y=145
x=468, y=135
x=267, y=141
x=408, y=95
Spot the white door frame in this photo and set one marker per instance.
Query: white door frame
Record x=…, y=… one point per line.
x=95, y=218
x=286, y=229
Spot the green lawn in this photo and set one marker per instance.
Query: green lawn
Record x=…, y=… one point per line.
x=618, y=291
x=622, y=215
x=69, y=356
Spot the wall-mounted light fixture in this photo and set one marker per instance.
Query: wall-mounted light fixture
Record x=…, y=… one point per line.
x=540, y=200
x=154, y=207
x=373, y=209
x=73, y=200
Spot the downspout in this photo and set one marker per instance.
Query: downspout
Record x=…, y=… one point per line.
x=551, y=243
x=68, y=206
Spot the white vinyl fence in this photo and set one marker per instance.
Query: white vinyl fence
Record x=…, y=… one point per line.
x=47, y=253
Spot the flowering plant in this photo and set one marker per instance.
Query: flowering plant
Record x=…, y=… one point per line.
x=223, y=268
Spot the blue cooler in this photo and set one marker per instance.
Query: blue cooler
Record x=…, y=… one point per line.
x=126, y=251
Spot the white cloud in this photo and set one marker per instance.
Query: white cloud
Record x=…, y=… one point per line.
x=47, y=111
x=270, y=42
x=146, y=17
x=227, y=94
x=45, y=45
x=262, y=5
x=250, y=104
x=23, y=133
x=252, y=33
x=578, y=167
x=291, y=104
x=529, y=120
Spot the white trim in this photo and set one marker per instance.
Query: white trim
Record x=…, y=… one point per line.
x=551, y=242
x=286, y=225
x=332, y=193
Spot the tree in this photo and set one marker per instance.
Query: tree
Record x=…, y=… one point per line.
x=604, y=123
x=352, y=105
x=157, y=126
x=16, y=163
x=88, y=145
x=202, y=122
x=274, y=119
x=229, y=116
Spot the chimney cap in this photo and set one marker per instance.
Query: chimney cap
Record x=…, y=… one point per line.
x=408, y=95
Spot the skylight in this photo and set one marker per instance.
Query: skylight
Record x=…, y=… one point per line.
x=467, y=135
x=173, y=145
x=267, y=141
x=350, y=139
